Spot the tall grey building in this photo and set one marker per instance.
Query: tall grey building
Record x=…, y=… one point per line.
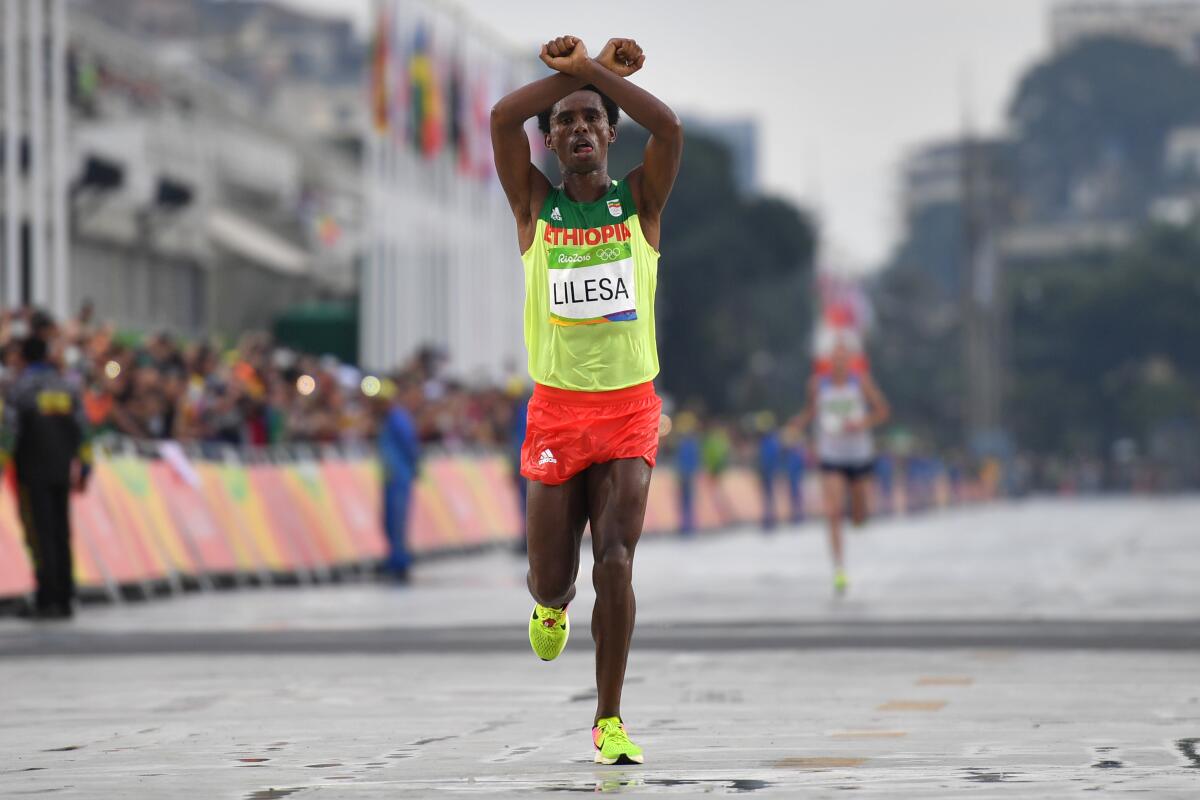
x=740, y=136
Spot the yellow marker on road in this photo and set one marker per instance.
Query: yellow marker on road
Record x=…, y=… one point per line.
x=945, y=680
x=912, y=705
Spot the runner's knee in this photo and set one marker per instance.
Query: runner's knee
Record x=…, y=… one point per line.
x=550, y=589
x=614, y=563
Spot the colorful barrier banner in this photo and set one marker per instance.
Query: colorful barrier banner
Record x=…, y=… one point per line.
x=16, y=572
x=140, y=510
x=431, y=523
x=314, y=500
x=135, y=539
x=228, y=495
x=144, y=520
x=490, y=482
x=358, y=500
x=447, y=480
x=192, y=518
x=92, y=528
x=294, y=533
x=663, y=505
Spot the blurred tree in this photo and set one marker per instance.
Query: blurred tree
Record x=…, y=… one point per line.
x=735, y=300
x=916, y=354
x=1091, y=123
x=1105, y=345
x=934, y=244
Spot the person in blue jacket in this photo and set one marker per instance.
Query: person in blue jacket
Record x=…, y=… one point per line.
x=687, y=463
x=794, y=461
x=400, y=454
x=770, y=454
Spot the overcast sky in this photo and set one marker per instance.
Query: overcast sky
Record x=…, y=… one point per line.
x=842, y=89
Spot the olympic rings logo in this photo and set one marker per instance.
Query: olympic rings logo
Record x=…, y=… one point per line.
x=607, y=253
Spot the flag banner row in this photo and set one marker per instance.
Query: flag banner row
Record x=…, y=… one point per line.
x=433, y=79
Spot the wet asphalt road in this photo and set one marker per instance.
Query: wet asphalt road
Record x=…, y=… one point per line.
x=736, y=636
x=1037, y=650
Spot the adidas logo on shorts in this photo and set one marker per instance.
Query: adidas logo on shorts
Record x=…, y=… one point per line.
x=547, y=458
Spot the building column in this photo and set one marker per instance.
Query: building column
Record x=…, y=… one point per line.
x=39, y=264
x=60, y=296
x=13, y=128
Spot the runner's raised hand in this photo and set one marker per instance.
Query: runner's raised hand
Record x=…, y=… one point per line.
x=567, y=54
x=622, y=57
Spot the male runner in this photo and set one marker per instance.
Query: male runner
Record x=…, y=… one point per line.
x=590, y=249
x=846, y=406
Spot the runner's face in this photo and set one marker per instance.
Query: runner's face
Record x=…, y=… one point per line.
x=580, y=133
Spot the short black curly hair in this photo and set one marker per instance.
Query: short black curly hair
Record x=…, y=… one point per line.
x=611, y=109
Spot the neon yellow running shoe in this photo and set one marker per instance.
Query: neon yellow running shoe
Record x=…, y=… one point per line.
x=613, y=745
x=548, y=631
x=840, y=581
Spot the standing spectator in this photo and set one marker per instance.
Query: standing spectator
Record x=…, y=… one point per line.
x=794, y=458
x=770, y=453
x=687, y=463
x=400, y=452
x=716, y=451
x=885, y=472
x=44, y=432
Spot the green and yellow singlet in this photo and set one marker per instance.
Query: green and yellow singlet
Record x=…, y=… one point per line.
x=590, y=277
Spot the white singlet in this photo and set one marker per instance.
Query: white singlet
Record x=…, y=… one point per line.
x=838, y=405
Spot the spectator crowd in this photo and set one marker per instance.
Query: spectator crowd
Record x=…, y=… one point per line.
x=251, y=393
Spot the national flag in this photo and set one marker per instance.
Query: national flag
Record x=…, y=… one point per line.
x=427, y=112
x=398, y=76
x=379, y=74
x=459, y=135
x=481, y=146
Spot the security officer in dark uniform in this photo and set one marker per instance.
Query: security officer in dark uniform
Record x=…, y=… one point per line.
x=44, y=439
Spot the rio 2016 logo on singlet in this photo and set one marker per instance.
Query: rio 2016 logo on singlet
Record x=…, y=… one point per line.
x=591, y=275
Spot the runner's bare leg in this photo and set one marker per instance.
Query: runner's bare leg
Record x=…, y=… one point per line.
x=554, y=525
x=860, y=500
x=834, y=486
x=617, y=493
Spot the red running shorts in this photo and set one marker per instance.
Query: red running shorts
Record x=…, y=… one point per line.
x=568, y=431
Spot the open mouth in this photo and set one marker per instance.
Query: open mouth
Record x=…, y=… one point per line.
x=582, y=147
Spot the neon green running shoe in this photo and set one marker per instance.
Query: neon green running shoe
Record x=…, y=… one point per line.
x=840, y=581
x=548, y=631
x=613, y=745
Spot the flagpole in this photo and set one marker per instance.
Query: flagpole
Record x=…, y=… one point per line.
x=37, y=151
x=12, y=156
x=394, y=298
x=368, y=354
x=61, y=297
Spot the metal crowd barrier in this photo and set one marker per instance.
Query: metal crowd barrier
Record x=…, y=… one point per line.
x=158, y=517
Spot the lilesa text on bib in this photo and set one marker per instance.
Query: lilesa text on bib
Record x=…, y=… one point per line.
x=589, y=285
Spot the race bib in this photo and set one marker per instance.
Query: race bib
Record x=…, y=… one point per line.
x=589, y=285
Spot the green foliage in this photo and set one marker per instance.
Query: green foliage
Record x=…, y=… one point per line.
x=735, y=302
x=935, y=245
x=916, y=354
x=1105, y=345
x=1099, y=113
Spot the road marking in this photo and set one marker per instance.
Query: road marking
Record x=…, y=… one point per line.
x=868, y=734
x=912, y=705
x=945, y=680
x=818, y=762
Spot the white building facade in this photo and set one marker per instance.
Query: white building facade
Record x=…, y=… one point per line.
x=36, y=254
x=442, y=267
